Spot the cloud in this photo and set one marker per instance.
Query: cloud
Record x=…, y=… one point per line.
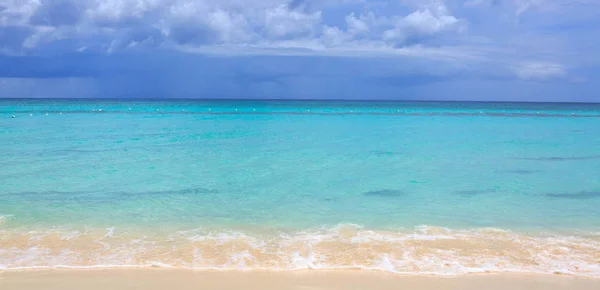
x=524, y=5
x=363, y=30
x=282, y=22
x=536, y=70
x=356, y=26
x=499, y=40
x=112, y=25
x=57, y=13
x=423, y=23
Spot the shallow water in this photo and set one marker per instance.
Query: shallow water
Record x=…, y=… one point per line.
x=284, y=184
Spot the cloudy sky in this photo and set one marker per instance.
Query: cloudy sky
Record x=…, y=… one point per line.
x=504, y=50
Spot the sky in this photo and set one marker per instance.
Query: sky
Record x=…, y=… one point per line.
x=476, y=50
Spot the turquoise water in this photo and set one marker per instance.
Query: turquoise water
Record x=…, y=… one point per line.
x=288, y=167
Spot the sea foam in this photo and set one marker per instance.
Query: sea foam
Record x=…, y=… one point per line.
x=423, y=250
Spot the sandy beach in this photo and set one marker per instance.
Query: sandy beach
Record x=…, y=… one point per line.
x=183, y=279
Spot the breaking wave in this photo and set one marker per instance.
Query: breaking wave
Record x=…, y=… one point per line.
x=423, y=250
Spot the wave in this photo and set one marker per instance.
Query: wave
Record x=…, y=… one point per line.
x=423, y=250
x=4, y=218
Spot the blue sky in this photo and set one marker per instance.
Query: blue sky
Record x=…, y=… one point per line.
x=503, y=50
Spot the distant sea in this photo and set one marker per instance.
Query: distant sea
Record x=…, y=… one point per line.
x=404, y=187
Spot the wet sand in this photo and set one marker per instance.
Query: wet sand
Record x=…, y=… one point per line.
x=158, y=279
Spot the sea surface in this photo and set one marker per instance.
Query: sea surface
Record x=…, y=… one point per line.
x=404, y=187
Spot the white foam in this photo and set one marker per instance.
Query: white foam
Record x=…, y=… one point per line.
x=110, y=232
x=160, y=265
x=424, y=250
x=239, y=261
x=301, y=262
x=5, y=218
x=384, y=264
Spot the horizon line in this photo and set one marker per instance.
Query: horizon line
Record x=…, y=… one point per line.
x=303, y=100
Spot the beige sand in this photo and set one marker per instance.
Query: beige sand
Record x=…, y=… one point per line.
x=160, y=279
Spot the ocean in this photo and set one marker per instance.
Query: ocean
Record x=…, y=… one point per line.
x=439, y=188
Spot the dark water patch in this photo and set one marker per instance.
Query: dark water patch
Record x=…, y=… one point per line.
x=108, y=195
x=383, y=153
x=577, y=195
x=188, y=191
x=418, y=181
x=42, y=194
x=68, y=151
x=385, y=193
x=520, y=171
x=58, y=152
x=591, y=157
x=475, y=192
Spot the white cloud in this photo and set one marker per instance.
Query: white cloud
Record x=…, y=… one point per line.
x=426, y=33
x=333, y=36
x=115, y=11
x=362, y=29
x=123, y=24
x=356, y=26
x=424, y=22
x=428, y=22
x=539, y=70
x=420, y=29
x=17, y=12
x=317, y=47
x=281, y=22
x=231, y=27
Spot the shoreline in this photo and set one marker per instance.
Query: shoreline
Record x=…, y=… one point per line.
x=67, y=279
x=424, y=250
x=431, y=251
x=168, y=268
